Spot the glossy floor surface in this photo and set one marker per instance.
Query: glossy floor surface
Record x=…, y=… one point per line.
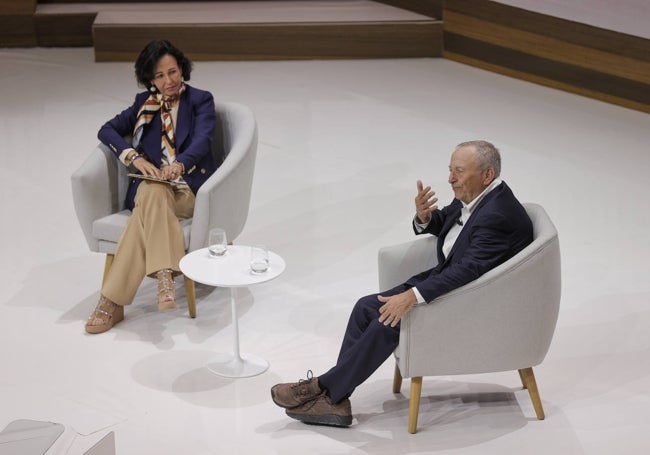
x=341, y=145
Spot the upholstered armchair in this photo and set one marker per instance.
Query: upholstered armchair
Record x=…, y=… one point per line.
x=502, y=321
x=99, y=189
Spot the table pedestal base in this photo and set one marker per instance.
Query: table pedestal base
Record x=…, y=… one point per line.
x=233, y=366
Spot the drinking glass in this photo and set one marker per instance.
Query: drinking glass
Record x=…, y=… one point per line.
x=259, y=259
x=217, y=244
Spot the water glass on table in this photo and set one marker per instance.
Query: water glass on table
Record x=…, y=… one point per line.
x=217, y=243
x=259, y=259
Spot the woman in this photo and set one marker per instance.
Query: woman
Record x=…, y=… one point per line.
x=172, y=126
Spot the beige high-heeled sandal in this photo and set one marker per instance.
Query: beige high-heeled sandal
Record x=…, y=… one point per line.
x=107, y=313
x=166, y=290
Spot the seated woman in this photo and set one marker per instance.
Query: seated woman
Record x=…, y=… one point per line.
x=172, y=126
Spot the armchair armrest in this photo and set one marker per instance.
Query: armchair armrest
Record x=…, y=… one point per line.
x=94, y=190
x=398, y=263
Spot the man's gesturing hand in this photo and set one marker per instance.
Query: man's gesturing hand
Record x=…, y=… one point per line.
x=395, y=307
x=425, y=203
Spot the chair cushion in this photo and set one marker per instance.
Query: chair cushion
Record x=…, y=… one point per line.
x=109, y=228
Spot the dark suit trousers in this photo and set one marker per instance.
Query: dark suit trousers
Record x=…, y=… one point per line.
x=367, y=343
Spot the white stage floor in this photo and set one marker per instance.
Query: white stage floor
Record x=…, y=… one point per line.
x=342, y=144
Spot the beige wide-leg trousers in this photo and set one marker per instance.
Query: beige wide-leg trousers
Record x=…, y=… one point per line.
x=152, y=240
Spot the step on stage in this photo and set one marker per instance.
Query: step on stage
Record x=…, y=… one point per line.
x=251, y=30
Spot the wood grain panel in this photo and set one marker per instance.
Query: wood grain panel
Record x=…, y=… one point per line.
x=17, y=31
x=17, y=7
x=574, y=79
x=17, y=24
x=577, y=58
x=64, y=29
x=277, y=41
x=547, y=47
x=561, y=29
x=547, y=82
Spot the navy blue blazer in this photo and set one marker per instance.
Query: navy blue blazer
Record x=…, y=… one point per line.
x=498, y=228
x=194, y=133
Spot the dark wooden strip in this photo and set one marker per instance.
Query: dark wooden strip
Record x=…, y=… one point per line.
x=546, y=47
x=64, y=29
x=132, y=1
x=17, y=31
x=546, y=82
x=278, y=41
x=17, y=7
x=561, y=29
x=568, y=74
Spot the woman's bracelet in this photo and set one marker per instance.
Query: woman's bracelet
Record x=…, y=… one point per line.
x=129, y=161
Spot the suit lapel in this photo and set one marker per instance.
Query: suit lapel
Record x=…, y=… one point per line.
x=449, y=222
x=462, y=238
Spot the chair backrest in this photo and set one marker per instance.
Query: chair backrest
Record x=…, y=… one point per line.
x=224, y=199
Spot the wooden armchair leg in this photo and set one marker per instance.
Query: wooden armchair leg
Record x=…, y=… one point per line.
x=414, y=403
x=528, y=378
x=397, y=380
x=107, y=266
x=190, y=293
x=521, y=376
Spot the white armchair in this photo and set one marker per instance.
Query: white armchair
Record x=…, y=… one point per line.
x=99, y=189
x=502, y=321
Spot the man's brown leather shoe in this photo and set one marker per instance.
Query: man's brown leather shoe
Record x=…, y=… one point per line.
x=292, y=394
x=321, y=411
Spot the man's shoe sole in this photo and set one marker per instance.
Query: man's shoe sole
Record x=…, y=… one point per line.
x=331, y=420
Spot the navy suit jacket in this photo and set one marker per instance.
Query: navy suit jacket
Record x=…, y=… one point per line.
x=498, y=228
x=194, y=133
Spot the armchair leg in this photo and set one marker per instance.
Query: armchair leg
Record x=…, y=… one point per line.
x=528, y=379
x=107, y=266
x=521, y=376
x=414, y=403
x=397, y=380
x=190, y=292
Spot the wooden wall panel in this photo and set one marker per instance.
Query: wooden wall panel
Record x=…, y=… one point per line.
x=17, y=7
x=17, y=23
x=610, y=66
x=64, y=30
x=277, y=41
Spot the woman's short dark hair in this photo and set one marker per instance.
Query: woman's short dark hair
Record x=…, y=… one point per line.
x=146, y=63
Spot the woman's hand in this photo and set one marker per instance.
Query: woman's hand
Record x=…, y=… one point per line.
x=172, y=172
x=147, y=168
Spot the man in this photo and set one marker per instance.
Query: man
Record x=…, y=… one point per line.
x=483, y=227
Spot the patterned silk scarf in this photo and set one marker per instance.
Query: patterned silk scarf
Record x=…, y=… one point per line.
x=157, y=102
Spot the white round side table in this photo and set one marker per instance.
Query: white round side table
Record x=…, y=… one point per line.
x=231, y=270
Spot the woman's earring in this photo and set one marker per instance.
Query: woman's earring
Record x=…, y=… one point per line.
x=152, y=89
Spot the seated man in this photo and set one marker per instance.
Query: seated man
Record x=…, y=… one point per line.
x=484, y=226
